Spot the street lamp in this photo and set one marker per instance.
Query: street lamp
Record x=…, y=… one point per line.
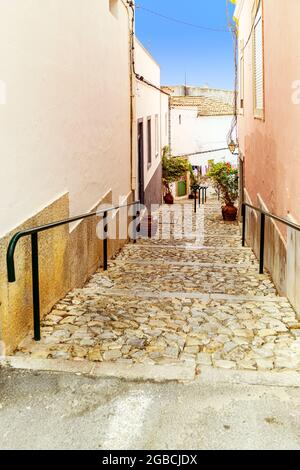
x=232, y=146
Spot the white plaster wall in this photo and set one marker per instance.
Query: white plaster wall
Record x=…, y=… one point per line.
x=197, y=134
x=65, y=124
x=164, y=120
x=146, y=65
x=150, y=102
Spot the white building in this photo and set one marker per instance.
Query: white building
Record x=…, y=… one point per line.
x=68, y=140
x=152, y=110
x=200, y=124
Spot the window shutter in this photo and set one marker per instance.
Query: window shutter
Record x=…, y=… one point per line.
x=258, y=61
x=241, y=75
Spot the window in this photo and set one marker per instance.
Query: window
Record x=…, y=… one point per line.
x=113, y=7
x=180, y=119
x=156, y=136
x=241, y=76
x=258, y=63
x=149, y=141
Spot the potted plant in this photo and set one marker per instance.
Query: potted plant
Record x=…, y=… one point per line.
x=226, y=181
x=193, y=182
x=173, y=168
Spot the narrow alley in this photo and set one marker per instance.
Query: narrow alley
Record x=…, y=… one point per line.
x=150, y=227
x=187, y=301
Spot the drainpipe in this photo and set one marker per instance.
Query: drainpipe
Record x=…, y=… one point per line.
x=133, y=126
x=170, y=127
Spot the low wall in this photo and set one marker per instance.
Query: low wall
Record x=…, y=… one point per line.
x=282, y=256
x=67, y=258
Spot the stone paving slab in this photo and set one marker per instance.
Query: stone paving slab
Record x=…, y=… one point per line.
x=230, y=335
x=192, y=264
x=180, y=303
x=184, y=255
x=233, y=242
x=166, y=277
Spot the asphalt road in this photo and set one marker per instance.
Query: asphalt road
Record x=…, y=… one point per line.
x=40, y=410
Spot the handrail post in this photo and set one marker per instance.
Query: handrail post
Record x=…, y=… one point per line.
x=195, y=201
x=262, y=243
x=35, y=286
x=105, y=242
x=199, y=197
x=138, y=228
x=244, y=224
x=203, y=195
x=135, y=216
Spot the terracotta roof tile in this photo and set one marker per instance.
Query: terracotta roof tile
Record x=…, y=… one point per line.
x=206, y=106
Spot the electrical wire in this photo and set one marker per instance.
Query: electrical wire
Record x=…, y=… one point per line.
x=202, y=152
x=252, y=29
x=176, y=20
x=232, y=135
x=140, y=78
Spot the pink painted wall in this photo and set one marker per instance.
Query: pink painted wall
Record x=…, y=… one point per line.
x=272, y=147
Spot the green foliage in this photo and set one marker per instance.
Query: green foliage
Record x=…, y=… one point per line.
x=226, y=180
x=173, y=168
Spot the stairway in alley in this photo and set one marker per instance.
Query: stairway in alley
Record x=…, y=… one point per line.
x=177, y=299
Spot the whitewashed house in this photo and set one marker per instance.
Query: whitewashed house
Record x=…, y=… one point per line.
x=200, y=121
x=152, y=111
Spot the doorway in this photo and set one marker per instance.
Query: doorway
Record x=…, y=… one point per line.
x=141, y=161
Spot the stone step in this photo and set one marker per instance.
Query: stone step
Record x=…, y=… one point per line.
x=206, y=241
x=240, y=334
x=217, y=264
x=190, y=301
x=169, y=229
x=166, y=277
x=183, y=254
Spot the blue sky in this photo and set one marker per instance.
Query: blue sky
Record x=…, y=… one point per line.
x=205, y=56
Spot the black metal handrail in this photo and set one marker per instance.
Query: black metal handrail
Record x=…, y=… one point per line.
x=263, y=215
x=33, y=232
x=202, y=194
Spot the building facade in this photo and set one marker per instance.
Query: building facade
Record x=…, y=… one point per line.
x=68, y=141
x=152, y=110
x=200, y=120
x=268, y=129
x=200, y=125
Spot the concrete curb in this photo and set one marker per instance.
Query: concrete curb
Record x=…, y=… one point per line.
x=134, y=372
x=210, y=375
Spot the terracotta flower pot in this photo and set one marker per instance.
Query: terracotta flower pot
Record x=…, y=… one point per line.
x=229, y=213
x=169, y=199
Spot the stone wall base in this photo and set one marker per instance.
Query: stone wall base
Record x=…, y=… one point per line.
x=68, y=256
x=282, y=255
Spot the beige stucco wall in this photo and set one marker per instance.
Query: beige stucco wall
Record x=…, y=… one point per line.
x=270, y=146
x=66, y=260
